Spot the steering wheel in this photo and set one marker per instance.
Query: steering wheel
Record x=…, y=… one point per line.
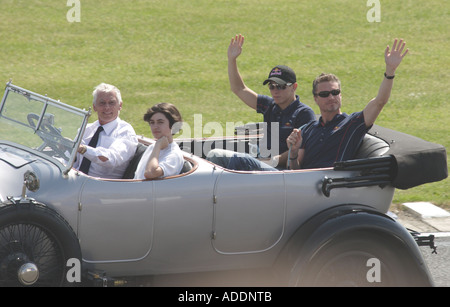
x=50, y=135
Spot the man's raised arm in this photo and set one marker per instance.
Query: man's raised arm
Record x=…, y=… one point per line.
x=237, y=85
x=393, y=59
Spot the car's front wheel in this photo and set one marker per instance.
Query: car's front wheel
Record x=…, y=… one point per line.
x=35, y=246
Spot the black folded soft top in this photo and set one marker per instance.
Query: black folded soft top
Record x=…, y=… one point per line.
x=417, y=161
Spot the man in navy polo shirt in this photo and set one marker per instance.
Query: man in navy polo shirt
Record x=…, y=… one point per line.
x=288, y=115
x=283, y=108
x=336, y=136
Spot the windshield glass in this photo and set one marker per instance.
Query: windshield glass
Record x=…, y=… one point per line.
x=43, y=124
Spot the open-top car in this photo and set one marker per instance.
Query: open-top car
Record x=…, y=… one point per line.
x=325, y=226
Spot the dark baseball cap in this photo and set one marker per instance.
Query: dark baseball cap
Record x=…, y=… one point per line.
x=281, y=74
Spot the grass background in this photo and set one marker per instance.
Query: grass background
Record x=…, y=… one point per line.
x=175, y=51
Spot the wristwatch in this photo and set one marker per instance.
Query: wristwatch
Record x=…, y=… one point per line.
x=389, y=77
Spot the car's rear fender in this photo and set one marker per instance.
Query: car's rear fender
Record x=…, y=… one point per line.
x=336, y=222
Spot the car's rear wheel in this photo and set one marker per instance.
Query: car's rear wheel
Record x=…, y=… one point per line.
x=360, y=258
x=35, y=245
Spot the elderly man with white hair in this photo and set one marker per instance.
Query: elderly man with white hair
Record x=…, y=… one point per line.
x=109, y=143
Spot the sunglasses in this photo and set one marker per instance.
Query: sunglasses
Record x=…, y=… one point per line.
x=325, y=94
x=273, y=86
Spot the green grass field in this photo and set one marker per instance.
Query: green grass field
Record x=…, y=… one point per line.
x=175, y=51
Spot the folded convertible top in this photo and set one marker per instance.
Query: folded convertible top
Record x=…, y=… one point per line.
x=417, y=161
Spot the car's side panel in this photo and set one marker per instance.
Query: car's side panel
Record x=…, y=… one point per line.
x=183, y=226
x=183, y=223
x=116, y=220
x=304, y=195
x=249, y=211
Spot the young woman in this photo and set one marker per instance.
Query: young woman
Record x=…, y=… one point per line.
x=162, y=158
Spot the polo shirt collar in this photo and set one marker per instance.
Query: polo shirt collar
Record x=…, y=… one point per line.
x=293, y=105
x=337, y=117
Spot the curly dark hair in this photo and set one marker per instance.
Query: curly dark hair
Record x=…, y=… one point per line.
x=169, y=111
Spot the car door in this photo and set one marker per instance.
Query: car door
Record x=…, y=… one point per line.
x=249, y=211
x=116, y=220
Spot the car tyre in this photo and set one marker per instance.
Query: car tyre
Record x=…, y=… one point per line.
x=35, y=245
x=359, y=258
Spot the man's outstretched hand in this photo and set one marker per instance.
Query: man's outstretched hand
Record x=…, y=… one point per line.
x=394, y=57
x=235, y=48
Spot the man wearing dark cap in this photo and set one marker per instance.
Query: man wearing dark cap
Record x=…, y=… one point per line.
x=284, y=107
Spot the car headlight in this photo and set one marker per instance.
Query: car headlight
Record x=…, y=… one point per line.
x=31, y=181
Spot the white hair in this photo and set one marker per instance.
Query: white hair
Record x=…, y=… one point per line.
x=106, y=88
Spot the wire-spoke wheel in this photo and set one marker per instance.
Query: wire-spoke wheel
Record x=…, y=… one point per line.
x=35, y=244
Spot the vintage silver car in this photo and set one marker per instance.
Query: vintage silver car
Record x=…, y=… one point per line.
x=326, y=226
